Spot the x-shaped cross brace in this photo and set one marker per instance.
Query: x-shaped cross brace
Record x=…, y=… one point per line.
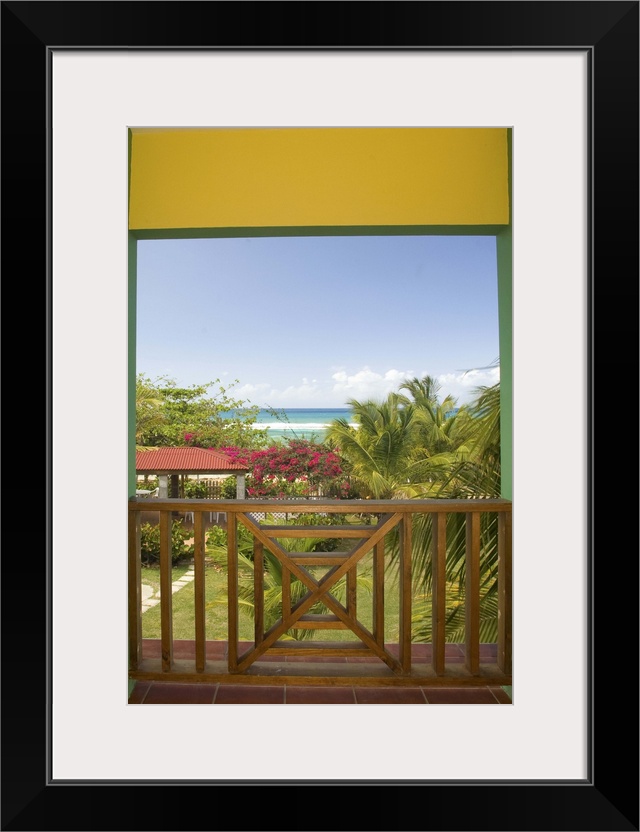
x=319, y=590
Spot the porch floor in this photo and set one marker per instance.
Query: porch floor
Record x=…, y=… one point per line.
x=146, y=692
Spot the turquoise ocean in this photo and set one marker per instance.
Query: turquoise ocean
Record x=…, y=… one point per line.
x=300, y=422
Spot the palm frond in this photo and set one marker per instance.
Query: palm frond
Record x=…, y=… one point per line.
x=421, y=618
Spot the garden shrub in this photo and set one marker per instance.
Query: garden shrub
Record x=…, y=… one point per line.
x=196, y=489
x=216, y=536
x=297, y=469
x=229, y=488
x=325, y=545
x=150, y=543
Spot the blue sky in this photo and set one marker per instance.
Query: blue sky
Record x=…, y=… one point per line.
x=315, y=321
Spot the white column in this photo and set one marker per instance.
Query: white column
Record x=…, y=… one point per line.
x=239, y=486
x=163, y=486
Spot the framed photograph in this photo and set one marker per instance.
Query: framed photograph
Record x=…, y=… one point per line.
x=564, y=78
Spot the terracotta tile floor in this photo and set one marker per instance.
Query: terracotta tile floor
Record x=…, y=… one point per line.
x=174, y=693
x=227, y=693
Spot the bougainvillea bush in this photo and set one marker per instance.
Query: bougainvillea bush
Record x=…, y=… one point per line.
x=298, y=469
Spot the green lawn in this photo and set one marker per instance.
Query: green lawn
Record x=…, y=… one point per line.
x=151, y=575
x=183, y=607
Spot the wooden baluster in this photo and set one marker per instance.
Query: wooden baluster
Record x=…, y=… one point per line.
x=258, y=590
x=438, y=590
x=199, y=589
x=135, y=592
x=286, y=593
x=504, y=591
x=352, y=592
x=232, y=592
x=378, y=592
x=472, y=593
x=405, y=593
x=166, y=616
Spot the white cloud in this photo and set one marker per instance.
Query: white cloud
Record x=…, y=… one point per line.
x=251, y=392
x=361, y=385
x=367, y=384
x=462, y=386
x=306, y=394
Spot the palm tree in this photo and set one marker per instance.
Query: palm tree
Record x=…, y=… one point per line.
x=423, y=390
x=441, y=424
x=478, y=475
x=378, y=453
x=402, y=447
x=421, y=616
x=485, y=441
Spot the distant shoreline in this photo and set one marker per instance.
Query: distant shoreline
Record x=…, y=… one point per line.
x=300, y=422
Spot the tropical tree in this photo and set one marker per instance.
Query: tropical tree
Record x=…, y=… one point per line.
x=420, y=446
x=167, y=414
x=149, y=415
x=454, y=619
x=379, y=451
x=402, y=446
x=478, y=475
x=475, y=476
x=441, y=425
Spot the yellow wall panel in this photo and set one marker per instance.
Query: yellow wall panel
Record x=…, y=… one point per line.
x=255, y=177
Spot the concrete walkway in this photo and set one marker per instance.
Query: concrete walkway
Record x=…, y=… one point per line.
x=150, y=598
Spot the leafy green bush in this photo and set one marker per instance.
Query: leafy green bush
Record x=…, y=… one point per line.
x=324, y=545
x=196, y=489
x=216, y=536
x=150, y=543
x=229, y=488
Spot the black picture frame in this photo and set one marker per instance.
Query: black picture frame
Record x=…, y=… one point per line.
x=608, y=799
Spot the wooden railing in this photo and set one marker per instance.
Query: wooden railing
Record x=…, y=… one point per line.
x=391, y=664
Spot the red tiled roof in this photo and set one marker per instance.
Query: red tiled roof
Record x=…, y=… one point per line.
x=195, y=460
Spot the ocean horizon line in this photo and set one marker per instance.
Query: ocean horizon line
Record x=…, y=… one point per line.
x=299, y=422
x=322, y=409
x=295, y=425
x=269, y=414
